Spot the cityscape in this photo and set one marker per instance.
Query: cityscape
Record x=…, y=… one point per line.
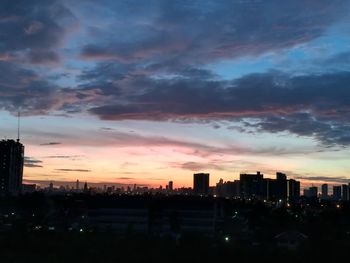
x=174, y=131
x=249, y=186
x=233, y=215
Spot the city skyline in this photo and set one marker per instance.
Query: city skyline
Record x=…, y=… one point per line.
x=147, y=92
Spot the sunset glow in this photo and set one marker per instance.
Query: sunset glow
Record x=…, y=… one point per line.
x=138, y=92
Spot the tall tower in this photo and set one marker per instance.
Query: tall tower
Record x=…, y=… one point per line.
x=11, y=166
x=201, y=183
x=171, y=186
x=324, y=194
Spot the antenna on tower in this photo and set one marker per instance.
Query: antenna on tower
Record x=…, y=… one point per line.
x=18, y=126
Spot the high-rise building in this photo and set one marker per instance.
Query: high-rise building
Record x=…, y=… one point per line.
x=281, y=186
x=252, y=186
x=11, y=166
x=201, y=183
x=227, y=189
x=220, y=188
x=293, y=189
x=336, y=192
x=171, y=186
x=311, y=192
x=324, y=191
x=345, y=192
x=281, y=176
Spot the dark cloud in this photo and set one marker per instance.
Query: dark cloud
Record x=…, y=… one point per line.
x=325, y=130
x=200, y=31
x=31, y=34
x=106, y=129
x=72, y=157
x=44, y=57
x=154, y=69
x=196, y=166
x=50, y=143
x=34, y=28
x=251, y=95
x=32, y=162
x=23, y=89
x=335, y=179
x=308, y=105
x=73, y=170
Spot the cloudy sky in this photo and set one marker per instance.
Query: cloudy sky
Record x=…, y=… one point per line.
x=144, y=92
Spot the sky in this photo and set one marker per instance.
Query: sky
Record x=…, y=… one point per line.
x=145, y=92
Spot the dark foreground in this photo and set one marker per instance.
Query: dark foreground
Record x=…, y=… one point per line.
x=53, y=247
x=85, y=228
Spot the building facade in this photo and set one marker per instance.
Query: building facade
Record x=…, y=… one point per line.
x=252, y=186
x=11, y=166
x=337, y=193
x=201, y=183
x=324, y=191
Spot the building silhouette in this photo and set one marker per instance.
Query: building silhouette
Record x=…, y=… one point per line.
x=337, y=193
x=201, y=183
x=258, y=187
x=11, y=166
x=86, y=189
x=311, y=192
x=171, y=186
x=227, y=189
x=324, y=191
x=345, y=192
x=252, y=186
x=281, y=191
x=293, y=189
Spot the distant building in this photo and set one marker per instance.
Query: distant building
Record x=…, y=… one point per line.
x=312, y=192
x=227, y=189
x=256, y=186
x=11, y=166
x=220, y=188
x=171, y=186
x=345, y=192
x=293, y=189
x=281, y=176
x=337, y=193
x=86, y=189
x=201, y=183
x=28, y=188
x=252, y=186
x=324, y=191
x=281, y=186
x=232, y=188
